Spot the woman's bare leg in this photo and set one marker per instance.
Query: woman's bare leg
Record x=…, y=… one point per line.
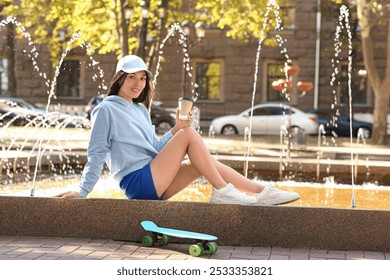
x=171, y=175
x=185, y=176
x=188, y=173
x=165, y=167
x=237, y=179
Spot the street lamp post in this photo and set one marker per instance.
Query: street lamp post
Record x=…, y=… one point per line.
x=162, y=5
x=62, y=34
x=200, y=31
x=126, y=14
x=145, y=5
x=62, y=38
x=153, y=43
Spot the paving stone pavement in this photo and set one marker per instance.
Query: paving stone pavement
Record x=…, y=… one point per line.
x=54, y=248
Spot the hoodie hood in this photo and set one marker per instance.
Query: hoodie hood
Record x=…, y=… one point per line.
x=117, y=99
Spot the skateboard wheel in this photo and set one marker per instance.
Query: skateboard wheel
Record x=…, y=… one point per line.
x=164, y=239
x=212, y=248
x=147, y=241
x=196, y=250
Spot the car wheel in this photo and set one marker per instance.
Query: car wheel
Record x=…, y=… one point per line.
x=229, y=130
x=163, y=127
x=365, y=132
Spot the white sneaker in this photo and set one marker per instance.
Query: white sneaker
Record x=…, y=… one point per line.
x=273, y=196
x=230, y=195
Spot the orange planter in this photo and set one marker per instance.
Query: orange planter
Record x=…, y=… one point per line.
x=305, y=86
x=292, y=70
x=277, y=86
x=285, y=83
x=281, y=84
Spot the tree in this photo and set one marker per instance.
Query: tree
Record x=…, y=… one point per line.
x=243, y=19
x=374, y=22
x=96, y=21
x=101, y=22
x=371, y=15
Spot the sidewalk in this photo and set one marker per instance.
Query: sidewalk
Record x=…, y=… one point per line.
x=46, y=248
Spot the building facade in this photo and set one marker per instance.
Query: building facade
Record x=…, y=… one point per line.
x=222, y=73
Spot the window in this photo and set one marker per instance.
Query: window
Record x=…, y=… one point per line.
x=359, y=84
x=274, y=73
x=3, y=76
x=271, y=111
x=68, y=81
x=287, y=10
x=208, y=79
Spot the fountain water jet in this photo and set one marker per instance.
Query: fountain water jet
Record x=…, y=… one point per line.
x=176, y=28
x=343, y=23
x=271, y=6
x=51, y=94
x=51, y=84
x=48, y=119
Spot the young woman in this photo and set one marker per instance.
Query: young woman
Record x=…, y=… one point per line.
x=148, y=167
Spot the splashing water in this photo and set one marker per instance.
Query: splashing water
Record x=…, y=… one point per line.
x=175, y=28
x=271, y=6
x=51, y=94
x=344, y=24
x=183, y=41
x=33, y=53
x=44, y=136
x=49, y=118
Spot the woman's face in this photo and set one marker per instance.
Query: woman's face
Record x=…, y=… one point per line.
x=133, y=85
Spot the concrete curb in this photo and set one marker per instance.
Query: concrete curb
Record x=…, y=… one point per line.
x=235, y=225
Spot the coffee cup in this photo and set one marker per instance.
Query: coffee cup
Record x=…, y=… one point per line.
x=185, y=107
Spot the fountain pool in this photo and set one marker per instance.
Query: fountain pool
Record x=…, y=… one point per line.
x=328, y=195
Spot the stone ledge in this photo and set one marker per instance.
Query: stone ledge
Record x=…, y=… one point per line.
x=236, y=225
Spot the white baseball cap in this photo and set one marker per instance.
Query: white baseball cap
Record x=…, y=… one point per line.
x=132, y=64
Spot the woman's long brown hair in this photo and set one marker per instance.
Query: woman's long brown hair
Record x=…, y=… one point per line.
x=146, y=95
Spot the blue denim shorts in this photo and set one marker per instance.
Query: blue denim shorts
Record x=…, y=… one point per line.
x=139, y=185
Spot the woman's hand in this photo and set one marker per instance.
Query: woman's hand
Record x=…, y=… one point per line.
x=181, y=123
x=69, y=194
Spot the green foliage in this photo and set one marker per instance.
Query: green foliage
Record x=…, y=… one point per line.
x=99, y=22
x=340, y=2
x=45, y=18
x=243, y=19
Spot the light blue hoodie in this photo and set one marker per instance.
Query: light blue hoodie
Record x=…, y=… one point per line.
x=123, y=137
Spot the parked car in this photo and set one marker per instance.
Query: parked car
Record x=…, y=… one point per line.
x=162, y=118
x=7, y=117
x=19, y=112
x=21, y=103
x=268, y=118
x=340, y=125
x=92, y=103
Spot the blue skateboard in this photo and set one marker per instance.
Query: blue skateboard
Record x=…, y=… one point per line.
x=205, y=244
